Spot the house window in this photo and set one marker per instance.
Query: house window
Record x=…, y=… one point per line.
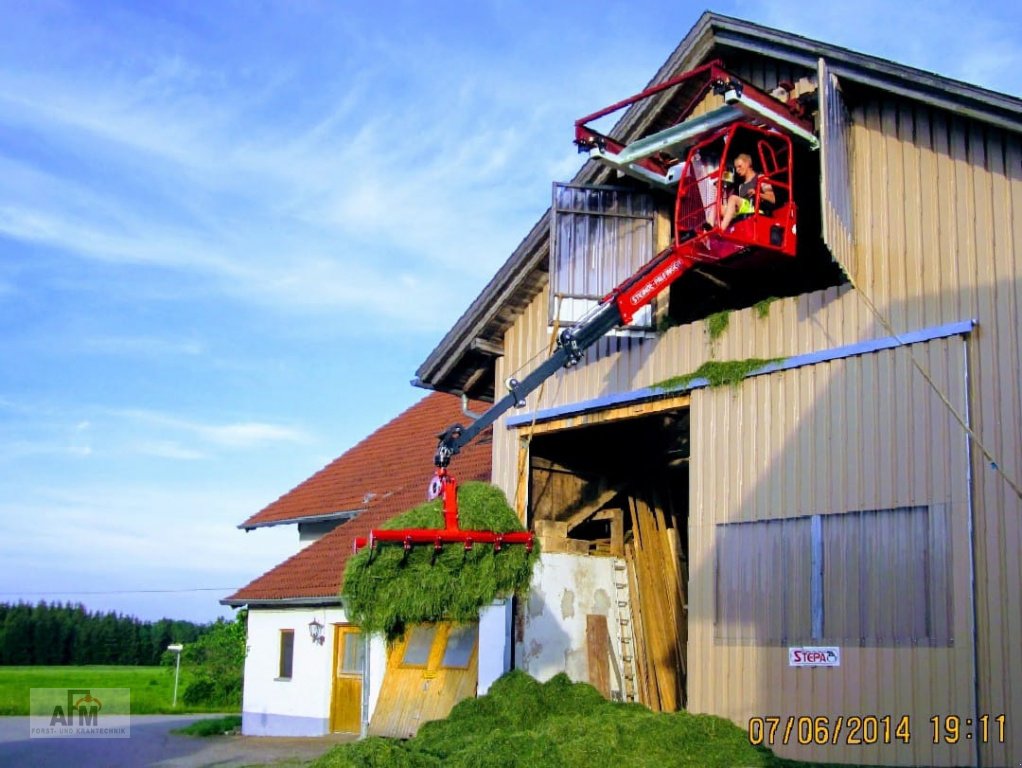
x=599, y=237
x=461, y=641
x=865, y=578
x=420, y=640
x=352, y=653
x=287, y=654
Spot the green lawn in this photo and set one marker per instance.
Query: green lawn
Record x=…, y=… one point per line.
x=152, y=688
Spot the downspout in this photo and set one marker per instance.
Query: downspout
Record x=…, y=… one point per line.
x=970, y=489
x=466, y=410
x=364, y=726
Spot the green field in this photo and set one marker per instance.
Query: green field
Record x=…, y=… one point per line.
x=152, y=688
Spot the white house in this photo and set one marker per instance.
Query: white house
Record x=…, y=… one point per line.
x=308, y=671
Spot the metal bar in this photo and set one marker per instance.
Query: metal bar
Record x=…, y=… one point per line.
x=680, y=133
x=757, y=105
x=651, y=91
x=816, y=576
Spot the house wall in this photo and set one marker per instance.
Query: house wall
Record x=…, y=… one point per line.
x=565, y=590
x=494, y=644
x=299, y=706
x=937, y=230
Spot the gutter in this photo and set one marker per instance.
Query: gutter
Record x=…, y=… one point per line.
x=345, y=515
x=282, y=602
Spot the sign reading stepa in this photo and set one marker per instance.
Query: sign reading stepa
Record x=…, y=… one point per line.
x=77, y=713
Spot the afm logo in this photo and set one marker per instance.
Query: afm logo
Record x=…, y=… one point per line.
x=93, y=712
x=80, y=701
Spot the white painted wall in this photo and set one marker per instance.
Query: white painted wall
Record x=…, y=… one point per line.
x=564, y=590
x=494, y=644
x=299, y=706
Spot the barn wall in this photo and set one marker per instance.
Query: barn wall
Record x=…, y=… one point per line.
x=938, y=203
x=936, y=228
x=819, y=441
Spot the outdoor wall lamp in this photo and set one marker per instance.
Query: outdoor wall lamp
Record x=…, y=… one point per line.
x=316, y=632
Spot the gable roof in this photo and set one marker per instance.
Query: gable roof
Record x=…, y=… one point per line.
x=460, y=363
x=396, y=464
x=396, y=456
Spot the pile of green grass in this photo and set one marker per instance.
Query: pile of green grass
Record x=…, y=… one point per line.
x=521, y=722
x=388, y=589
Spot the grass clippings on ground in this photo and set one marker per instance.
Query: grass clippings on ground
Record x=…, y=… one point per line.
x=522, y=723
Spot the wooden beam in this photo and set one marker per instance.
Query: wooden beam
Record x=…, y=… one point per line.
x=487, y=347
x=608, y=414
x=473, y=379
x=588, y=509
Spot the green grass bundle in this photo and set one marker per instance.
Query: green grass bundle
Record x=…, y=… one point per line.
x=388, y=589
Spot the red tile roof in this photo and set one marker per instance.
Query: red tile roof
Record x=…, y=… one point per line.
x=384, y=475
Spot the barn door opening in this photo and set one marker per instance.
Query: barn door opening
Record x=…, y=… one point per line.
x=620, y=489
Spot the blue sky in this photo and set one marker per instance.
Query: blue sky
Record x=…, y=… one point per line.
x=230, y=232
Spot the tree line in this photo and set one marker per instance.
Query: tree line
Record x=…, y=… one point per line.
x=56, y=634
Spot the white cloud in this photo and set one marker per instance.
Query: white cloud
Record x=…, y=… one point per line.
x=319, y=216
x=148, y=531
x=245, y=434
x=166, y=449
x=143, y=346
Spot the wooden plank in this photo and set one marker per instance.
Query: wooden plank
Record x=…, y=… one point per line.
x=598, y=653
x=678, y=561
x=653, y=607
x=657, y=590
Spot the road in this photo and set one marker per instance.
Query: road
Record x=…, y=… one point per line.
x=153, y=745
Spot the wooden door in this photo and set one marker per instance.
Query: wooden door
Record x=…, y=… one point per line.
x=429, y=671
x=349, y=663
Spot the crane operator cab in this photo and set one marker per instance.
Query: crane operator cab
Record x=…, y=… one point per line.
x=730, y=165
x=734, y=193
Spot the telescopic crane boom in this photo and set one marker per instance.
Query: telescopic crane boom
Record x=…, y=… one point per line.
x=694, y=155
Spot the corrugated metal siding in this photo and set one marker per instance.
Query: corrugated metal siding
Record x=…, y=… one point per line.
x=939, y=236
x=818, y=441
